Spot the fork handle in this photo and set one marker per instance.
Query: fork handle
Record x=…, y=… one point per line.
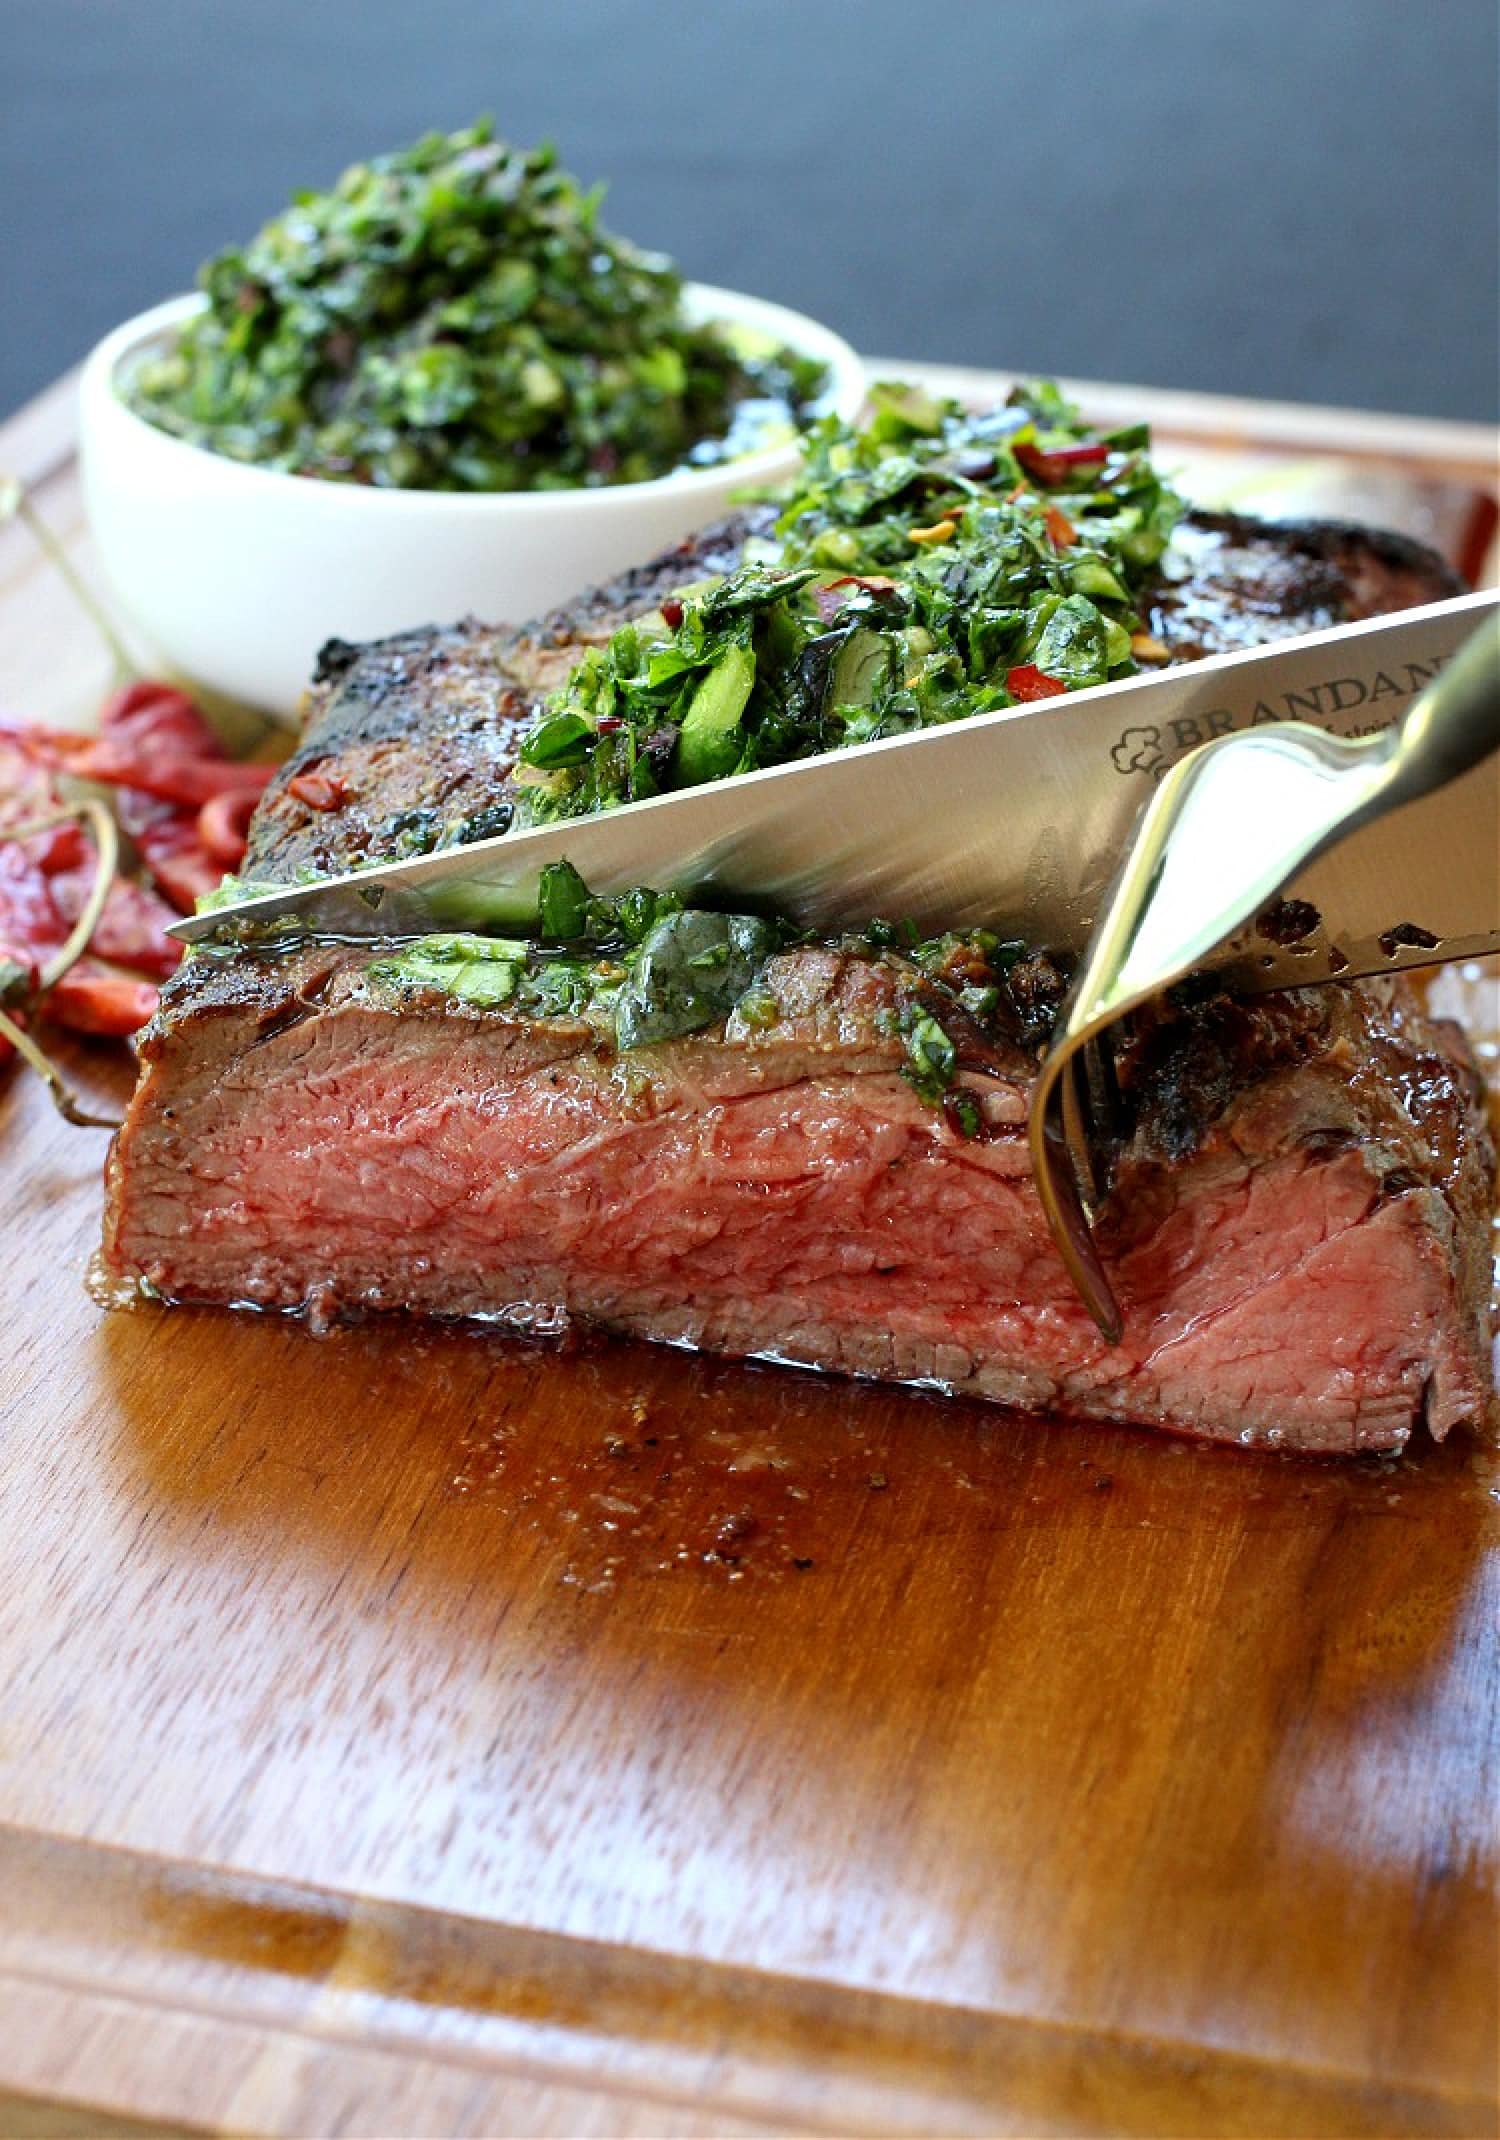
x=1455, y=723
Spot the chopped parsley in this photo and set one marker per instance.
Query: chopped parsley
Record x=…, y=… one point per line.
x=454, y=317
x=933, y=565
x=641, y=964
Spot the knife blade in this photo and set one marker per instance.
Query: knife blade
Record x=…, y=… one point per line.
x=1013, y=819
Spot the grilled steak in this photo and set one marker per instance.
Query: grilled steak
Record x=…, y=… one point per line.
x=1297, y=1236
x=421, y=729
x=1298, y=1229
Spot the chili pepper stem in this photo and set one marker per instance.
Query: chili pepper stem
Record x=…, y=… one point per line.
x=14, y=500
x=62, y=1096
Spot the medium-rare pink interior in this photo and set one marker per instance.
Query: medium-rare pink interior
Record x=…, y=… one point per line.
x=1300, y=1275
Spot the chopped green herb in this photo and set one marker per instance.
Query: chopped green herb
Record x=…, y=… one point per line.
x=487, y=824
x=563, y=905
x=689, y=972
x=642, y=970
x=651, y=980
x=568, y=910
x=962, y=1110
x=563, y=739
x=410, y=832
x=930, y=1056
x=710, y=740
x=454, y=317
x=933, y=565
x=483, y=970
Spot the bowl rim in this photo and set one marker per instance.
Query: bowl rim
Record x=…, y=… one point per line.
x=845, y=393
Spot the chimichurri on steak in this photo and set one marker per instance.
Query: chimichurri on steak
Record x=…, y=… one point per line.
x=933, y=564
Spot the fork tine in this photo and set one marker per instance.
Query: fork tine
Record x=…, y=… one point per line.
x=1105, y=1112
x=1066, y=1149
x=1079, y=1134
x=1105, y=1083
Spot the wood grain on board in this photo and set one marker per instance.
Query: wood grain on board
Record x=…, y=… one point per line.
x=408, y=1731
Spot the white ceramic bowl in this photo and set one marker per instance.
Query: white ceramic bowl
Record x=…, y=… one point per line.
x=236, y=575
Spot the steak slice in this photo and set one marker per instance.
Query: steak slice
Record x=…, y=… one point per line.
x=422, y=729
x=1297, y=1232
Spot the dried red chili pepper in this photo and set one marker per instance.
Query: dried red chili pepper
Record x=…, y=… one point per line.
x=128, y=761
x=224, y=826
x=168, y=843
x=152, y=737
x=30, y=924
x=132, y=930
x=151, y=710
x=28, y=792
x=89, y=999
x=31, y=929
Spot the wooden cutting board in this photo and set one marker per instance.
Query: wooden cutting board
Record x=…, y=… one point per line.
x=411, y=1732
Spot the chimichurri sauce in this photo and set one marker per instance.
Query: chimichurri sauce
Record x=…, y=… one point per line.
x=454, y=317
x=932, y=564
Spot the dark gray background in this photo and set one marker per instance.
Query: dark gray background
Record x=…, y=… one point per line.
x=1293, y=198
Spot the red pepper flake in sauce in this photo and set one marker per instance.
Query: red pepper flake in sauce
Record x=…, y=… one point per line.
x=830, y=600
x=320, y=791
x=1057, y=466
x=1028, y=682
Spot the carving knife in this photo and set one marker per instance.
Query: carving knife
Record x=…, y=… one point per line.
x=1013, y=820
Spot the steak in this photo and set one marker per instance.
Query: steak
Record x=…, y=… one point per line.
x=1297, y=1233
x=1297, y=1230
x=422, y=729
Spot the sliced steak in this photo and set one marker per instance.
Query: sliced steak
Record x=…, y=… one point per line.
x=1297, y=1234
x=1297, y=1230
x=422, y=729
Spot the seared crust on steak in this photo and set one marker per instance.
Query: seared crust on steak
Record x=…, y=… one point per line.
x=1229, y=581
x=713, y=553
x=1370, y=1116
x=422, y=729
